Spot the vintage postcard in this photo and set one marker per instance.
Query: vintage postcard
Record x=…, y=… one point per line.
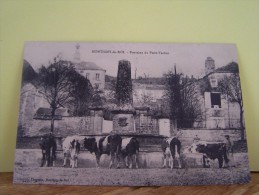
x=130, y=114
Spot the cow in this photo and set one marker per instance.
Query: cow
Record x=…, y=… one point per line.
x=210, y=150
x=171, y=150
x=71, y=148
x=48, y=147
x=110, y=145
x=130, y=148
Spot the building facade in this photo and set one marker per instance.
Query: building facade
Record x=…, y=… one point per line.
x=218, y=111
x=90, y=70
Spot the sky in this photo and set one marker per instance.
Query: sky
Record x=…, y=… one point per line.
x=150, y=59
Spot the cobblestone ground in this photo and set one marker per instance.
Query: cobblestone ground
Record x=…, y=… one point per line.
x=127, y=177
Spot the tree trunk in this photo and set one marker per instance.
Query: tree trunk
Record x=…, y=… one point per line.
x=242, y=129
x=52, y=119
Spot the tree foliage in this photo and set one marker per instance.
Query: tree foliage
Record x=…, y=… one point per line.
x=183, y=97
x=28, y=75
x=82, y=94
x=230, y=86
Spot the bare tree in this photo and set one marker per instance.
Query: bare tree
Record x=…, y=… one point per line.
x=230, y=86
x=191, y=101
x=56, y=86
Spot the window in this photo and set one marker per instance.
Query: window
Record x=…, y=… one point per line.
x=97, y=76
x=215, y=100
x=213, y=82
x=87, y=75
x=96, y=85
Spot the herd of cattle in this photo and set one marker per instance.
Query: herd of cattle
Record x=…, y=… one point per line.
x=127, y=149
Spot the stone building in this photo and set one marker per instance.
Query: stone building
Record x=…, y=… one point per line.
x=218, y=111
x=91, y=71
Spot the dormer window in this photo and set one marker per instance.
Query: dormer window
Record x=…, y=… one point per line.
x=213, y=82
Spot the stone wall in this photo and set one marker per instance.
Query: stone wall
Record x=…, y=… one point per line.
x=145, y=124
x=188, y=136
x=66, y=126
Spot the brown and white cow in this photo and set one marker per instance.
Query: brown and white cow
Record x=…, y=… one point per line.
x=210, y=150
x=130, y=149
x=110, y=145
x=71, y=148
x=171, y=150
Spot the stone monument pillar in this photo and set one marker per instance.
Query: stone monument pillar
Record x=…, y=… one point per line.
x=123, y=120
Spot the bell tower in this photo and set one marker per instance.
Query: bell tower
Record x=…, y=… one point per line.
x=209, y=65
x=77, y=54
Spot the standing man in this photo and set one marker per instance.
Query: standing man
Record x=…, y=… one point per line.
x=229, y=151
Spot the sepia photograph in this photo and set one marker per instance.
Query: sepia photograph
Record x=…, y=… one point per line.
x=130, y=114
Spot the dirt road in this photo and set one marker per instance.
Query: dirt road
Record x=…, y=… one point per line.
x=127, y=177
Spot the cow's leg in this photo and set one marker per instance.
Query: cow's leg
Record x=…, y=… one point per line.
x=71, y=162
x=126, y=161
x=130, y=161
x=164, y=159
x=112, y=159
x=47, y=161
x=65, y=159
x=98, y=156
x=220, y=159
x=136, y=160
x=179, y=162
x=118, y=160
x=53, y=157
x=225, y=160
x=76, y=161
x=177, y=156
x=47, y=158
x=204, y=160
x=43, y=159
x=172, y=162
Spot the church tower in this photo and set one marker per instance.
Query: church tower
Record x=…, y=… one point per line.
x=77, y=58
x=209, y=65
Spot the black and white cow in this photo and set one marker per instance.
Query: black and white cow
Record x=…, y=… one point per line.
x=130, y=148
x=71, y=148
x=171, y=150
x=110, y=145
x=210, y=150
x=48, y=147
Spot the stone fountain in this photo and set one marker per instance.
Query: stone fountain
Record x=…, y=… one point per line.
x=123, y=119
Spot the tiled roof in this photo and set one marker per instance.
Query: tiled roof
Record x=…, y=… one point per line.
x=87, y=66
